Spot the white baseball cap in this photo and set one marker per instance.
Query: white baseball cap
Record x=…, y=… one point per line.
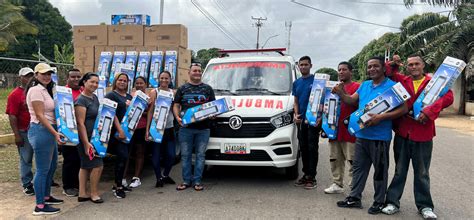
x=25, y=71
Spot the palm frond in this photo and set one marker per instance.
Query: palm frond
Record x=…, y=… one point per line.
x=428, y=35
x=446, y=3
x=425, y=21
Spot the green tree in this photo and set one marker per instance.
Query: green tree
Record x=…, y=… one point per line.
x=330, y=71
x=13, y=24
x=204, y=55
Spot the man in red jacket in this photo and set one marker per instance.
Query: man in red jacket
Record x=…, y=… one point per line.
x=414, y=140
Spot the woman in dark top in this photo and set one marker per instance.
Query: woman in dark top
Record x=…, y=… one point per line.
x=86, y=108
x=121, y=149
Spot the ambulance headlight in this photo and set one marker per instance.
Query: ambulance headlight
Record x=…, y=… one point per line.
x=282, y=119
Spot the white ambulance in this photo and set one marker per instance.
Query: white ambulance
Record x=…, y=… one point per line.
x=260, y=131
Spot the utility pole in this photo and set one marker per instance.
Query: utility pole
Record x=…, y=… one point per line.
x=288, y=25
x=162, y=4
x=258, y=24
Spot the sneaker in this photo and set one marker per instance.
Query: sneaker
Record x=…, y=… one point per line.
x=310, y=184
x=46, y=210
x=53, y=201
x=71, y=192
x=124, y=182
x=54, y=184
x=376, y=208
x=159, y=183
x=29, y=190
x=135, y=182
x=119, y=193
x=334, y=189
x=302, y=181
x=350, y=202
x=390, y=209
x=428, y=213
x=168, y=180
x=126, y=189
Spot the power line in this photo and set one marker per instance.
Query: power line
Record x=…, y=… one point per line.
x=258, y=24
x=342, y=16
x=230, y=20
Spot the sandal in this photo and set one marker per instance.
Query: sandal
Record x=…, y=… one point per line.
x=182, y=186
x=198, y=187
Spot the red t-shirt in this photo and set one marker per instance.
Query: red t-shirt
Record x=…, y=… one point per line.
x=75, y=92
x=16, y=105
x=346, y=110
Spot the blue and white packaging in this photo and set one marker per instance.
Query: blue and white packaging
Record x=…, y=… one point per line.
x=171, y=59
x=54, y=76
x=103, y=126
x=440, y=84
x=130, y=71
x=331, y=111
x=143, y=64
x=130, y=19
x=65, y=116
x=101, y=89
x=316, y=98
x=134, y=112
x=105, y=62
x=118, y=59
x=156, y=67
x=163, y=105
x=207, y=110
x=388, y=100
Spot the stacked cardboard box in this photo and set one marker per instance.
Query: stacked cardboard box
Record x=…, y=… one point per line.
x=91, y=40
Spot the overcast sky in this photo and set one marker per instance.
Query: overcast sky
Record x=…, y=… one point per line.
x=325, y=38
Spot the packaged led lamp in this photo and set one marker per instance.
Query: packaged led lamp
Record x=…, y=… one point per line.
x=103, y=126
x=118, y=59
x=331, y=111
x=101, y=89
x=163, y=105
x=316, y=98
x=65, y=117
x=388, y=100
x=155, y=68
x=54, y=76
x=171, y=57
x=105, y=62
x=133, y=114
x=143, y=65
x=130, y=71
x=439, y=84
x=207, y=110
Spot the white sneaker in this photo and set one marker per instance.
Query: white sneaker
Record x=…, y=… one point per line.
x=124, y=182
x=428, y=213
x=135, y=182
x=334, y=189
x=390, y=209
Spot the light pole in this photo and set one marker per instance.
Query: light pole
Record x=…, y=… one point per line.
x=276, y=35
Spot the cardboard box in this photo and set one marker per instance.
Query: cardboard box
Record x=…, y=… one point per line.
x=103, y=126
x=125, y=35
x=118, y=59
x=84, y=56
x=388, y=100
x=156, y=67
x=183, y=55
x=145, y=48
x=166, y=34
x=105, y=62
x=98, y=50
x=143, y=65
x=130, y=20
x=134, y=112
x=101, y=89
x=163, y=106
x=90, y=35
x=84, y=68
x=65, y=116
x=316, y=99
x=439, y=85
x=331, y=111
x=128, y=69
x=54, y=76
x=207, y=110
x=182, y=77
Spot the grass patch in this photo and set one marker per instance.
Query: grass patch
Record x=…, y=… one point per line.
x=4, y=123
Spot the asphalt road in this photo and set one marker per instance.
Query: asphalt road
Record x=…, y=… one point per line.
x=264, y=193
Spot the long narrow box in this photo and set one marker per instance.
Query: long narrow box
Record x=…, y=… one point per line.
x=128, y=69
x=65, y=117
x=331, y=111
x=105, y=61
x=103, y=126
x=316, y=98
x=101, y=89
x=388, y=100
x=440, y=84
x=171, y=57
x=156, y=66
x=131, y=61
x=134, y=112
x=207, y=110
x=143, y=65
x=54, y=76
x=163, y=104
x=131, y=20
x=118, y=59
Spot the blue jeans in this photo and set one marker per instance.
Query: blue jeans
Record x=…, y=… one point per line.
x=46, y=158
x=169, y=150
x=26, y=160
x=190, y=139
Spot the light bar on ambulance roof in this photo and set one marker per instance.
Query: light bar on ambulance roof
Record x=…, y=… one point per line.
x=277, y=50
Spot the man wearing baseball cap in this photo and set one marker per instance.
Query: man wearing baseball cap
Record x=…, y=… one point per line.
x=19, y=118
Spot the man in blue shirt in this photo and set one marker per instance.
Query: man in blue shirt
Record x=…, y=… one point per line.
x=373, y=142
x=308, y=136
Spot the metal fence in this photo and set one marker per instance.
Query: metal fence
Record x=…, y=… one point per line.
x=9, y=79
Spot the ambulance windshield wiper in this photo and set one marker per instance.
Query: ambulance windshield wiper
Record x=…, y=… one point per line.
x=224, y=90
x=259, y=89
